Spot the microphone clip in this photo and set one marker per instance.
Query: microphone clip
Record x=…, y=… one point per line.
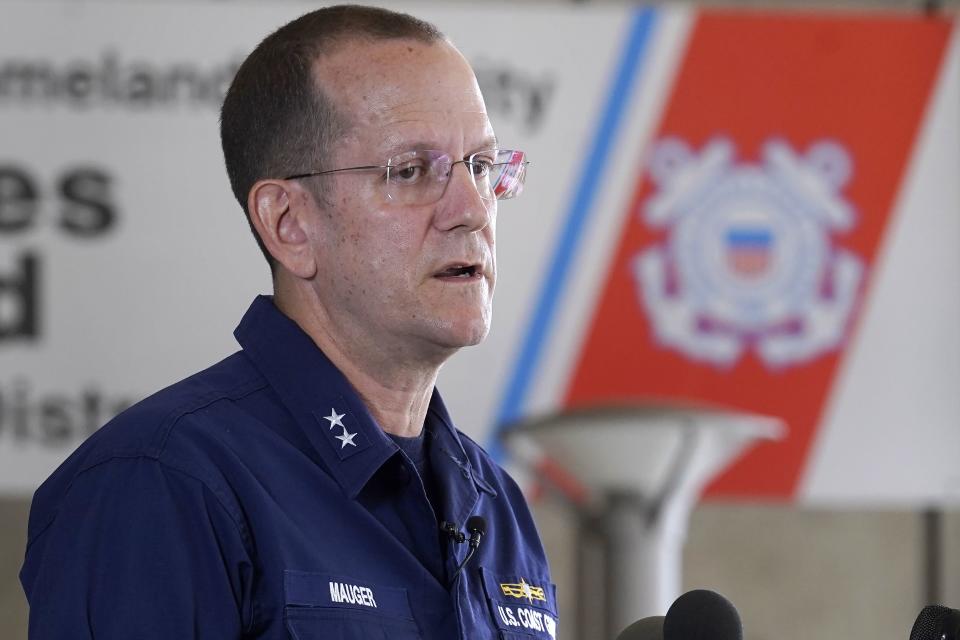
x=453, y=533
x=477, y=527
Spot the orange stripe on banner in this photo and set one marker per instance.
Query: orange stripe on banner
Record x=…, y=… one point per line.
x=862, y=82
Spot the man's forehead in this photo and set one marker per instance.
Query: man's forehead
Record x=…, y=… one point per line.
x=364, y=70
x=406, y=94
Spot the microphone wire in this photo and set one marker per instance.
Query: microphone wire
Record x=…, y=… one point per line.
x=477, y=526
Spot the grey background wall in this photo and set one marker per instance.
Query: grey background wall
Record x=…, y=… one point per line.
x=795, y=574
x=13, y=536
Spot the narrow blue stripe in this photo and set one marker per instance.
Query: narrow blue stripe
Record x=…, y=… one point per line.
x=749, y=237
x=577, y=215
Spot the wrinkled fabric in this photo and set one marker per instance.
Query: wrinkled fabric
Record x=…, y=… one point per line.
x=259, y=499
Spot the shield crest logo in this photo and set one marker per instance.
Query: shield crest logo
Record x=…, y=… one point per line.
x=748, y=250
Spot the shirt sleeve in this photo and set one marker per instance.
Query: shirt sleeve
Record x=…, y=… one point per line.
x=139, y=549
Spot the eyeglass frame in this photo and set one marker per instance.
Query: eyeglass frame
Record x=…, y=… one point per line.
x=370, y=167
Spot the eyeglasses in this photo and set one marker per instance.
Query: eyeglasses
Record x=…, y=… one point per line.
x=421, y=177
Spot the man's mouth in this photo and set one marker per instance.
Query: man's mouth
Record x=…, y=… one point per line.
x=460, y=271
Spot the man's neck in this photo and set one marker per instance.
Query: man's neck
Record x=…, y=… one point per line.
x=395, y=387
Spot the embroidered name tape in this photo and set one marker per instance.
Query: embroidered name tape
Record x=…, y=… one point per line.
x=526, y=618
x=341, y=592
x=322, y=590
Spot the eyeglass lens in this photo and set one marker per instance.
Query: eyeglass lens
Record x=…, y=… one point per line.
x=421, y=177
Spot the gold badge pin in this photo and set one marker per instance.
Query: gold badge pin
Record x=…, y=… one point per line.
x=523, y=591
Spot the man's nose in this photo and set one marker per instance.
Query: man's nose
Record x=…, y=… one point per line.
x=461, y=204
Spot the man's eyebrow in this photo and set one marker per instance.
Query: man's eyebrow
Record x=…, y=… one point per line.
x=490, y=142
x=393, y=148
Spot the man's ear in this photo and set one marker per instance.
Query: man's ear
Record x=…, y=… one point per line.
x=284, y=214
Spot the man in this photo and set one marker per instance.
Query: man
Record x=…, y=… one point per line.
x=312, y=485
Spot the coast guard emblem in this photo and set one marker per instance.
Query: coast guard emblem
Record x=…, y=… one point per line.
x=747, y=261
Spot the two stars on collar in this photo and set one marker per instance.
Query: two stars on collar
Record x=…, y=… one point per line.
x=346, y=437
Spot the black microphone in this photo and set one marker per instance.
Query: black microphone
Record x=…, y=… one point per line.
x=477, y=528
x=936, y=622
x=700, y=614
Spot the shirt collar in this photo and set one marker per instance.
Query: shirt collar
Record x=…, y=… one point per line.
x=326, y=407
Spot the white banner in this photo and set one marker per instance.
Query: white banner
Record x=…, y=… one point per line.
x=125, y=262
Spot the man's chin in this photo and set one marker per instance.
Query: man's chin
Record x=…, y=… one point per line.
x=468, y=338
x=462, y=333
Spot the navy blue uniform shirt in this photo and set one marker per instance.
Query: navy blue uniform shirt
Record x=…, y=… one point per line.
x=259, y=499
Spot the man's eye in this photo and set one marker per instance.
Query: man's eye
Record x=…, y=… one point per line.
x=406, y=173
x=481, y=167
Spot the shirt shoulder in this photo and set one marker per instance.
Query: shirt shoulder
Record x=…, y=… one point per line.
x=144, y=430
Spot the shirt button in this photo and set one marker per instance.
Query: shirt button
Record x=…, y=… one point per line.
x=403, y=474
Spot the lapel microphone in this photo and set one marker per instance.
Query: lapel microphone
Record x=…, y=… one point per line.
x=454, y=534
x=476, y=527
